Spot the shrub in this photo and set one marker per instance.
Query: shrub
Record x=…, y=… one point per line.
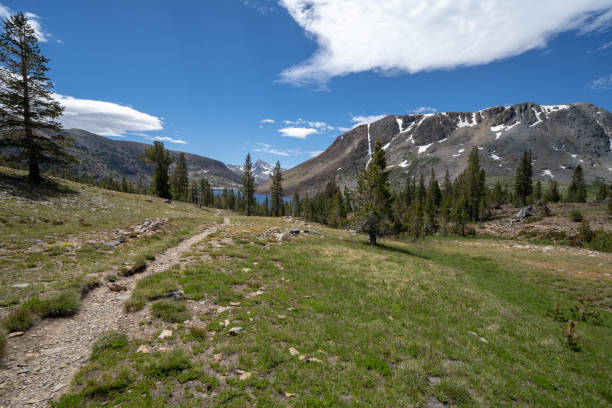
x=601, y=241
x=20, y=319
x=168, y=363
x=88, y=286
x=170, y=311
x=108, y=383
x=197, y=333
x=371, y=362
x=575, y=215
x=134, y=304
x=585, y=232
x=557, y=314
x=584, y=310
x=60, y=304
x=571, y=336
x=109, y=341
x=111, y=277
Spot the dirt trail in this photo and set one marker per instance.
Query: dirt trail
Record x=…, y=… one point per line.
x=41, y=364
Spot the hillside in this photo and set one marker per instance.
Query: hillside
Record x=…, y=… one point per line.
x=101, y=157
x=560, y=137
x=227, y=310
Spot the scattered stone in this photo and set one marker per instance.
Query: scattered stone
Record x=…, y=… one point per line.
x=50, y=351
x=226, y=323
x=143, y=349
x=480, y=338
x=291, y=309
x=435, y=403
x=434, y=380
x=285, y=236
x=313, y=360
x=218, y=357
x=281, y=317
x=246, y=269
x=222, y=309
x=176, y=295
x=59, y=387
x=165, y=333
x=112, y=243
x=115, y=287
x=302, y=357
x=15, y=334
x=234, y=331
x=293, y=351
x=245, y=376
x=235, y=303
x=167, y=201
x=289, y=395
x=163, y=349
x=21, y=285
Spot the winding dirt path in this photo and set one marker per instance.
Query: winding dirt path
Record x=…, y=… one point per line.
x=41, y=364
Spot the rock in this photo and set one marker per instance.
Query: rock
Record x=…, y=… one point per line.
x=115, y=287
x=15, y=334
x=289, y=395
x=112, y=243
x=281, y=317
x=177, y=295
x=245, y=376
x=226, y=323
x=285, y=236
x=121, y=238
x=302, y=357
x=218, y=357
x=235, y=303
x=167, y=201
x=434, y=380
x=313, y=360
x=165, y=333
x=293, y=351
x=51, y=351
x=20, y=285
x=234, y=331
x=246, y=270
x=433, y=402
x=143, y=349
x=222, y=309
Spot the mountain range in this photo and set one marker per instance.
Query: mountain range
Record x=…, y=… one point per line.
x=261, y=170
x=102, y=157
x=560, y=138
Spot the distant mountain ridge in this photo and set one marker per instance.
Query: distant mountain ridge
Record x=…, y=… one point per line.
x=559, y=136
x=102, y=157
x=261, y=170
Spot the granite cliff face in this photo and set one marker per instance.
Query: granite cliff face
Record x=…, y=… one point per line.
x=559, y=136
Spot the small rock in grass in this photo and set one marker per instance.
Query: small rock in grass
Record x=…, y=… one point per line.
x=281, y=317
x=235, y=303
x=313, y=360
x=114, y=287
x=234, y=331
x=289, y=395
x=434, y=380
x=291, y=309
x=218, y=357
x=246, y=269
x=226, y=323
x=15, y=334
x=245, y=376
x=293, y=351
x=143, y=349
x=165, y=333
x=302, y=357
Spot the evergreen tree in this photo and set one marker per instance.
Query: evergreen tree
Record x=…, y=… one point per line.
x=28, y=111
x=552, y=193
x=523, y=184
x=576, y=192
x=537, y=192
x=373, y=199
x=295, y=204
x=248, y=185
x=602, y=193
x=434, y=195
x=179, y=181
x=473, y=185
x=161, y=159
x=497, y=195
x=276, y=190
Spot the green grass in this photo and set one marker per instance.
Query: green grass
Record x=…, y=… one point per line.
x=19, y=319
x=373, y=324
x=170, y=311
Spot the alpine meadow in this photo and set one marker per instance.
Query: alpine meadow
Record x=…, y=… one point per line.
x=306, y=203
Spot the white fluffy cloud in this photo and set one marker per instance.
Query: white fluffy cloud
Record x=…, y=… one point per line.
x=267, y=121
x=167, y=139
x=105, y=118
x=266, y=148
x=425, y=109
x=363, y=120
x=298, y=132
x=419, y=35
x=33, y=19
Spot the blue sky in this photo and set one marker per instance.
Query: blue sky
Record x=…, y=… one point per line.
x=204, y=75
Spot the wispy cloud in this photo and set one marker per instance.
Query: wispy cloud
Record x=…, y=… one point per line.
x=105, y=118
x=315, y=153
x=261, y=6
x=298, y=132
x=425, y=109
x=167, y=139
x=397, y=36
x=267, y=121
x=33, y=19
x=604, y=82
x=604, y=46
x=266, y=148
x=362, y=120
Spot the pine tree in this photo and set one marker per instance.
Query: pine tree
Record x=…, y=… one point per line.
x=434, y=195
x=523, y=184
x=28, y=111
x=295, y=204
x=472, y=185
x=179, y=180
x=537, y=192
x=248, y=184
x=161, y=159
x=277, y=190
x=602, y=193
x=373, y=199
x=552, y=193
x=576, y=192
x=498, y=195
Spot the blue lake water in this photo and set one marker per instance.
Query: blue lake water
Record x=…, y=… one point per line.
x=260, y=198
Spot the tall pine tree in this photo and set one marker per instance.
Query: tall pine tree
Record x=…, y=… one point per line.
x=248, y=184
x=277, y=191
x=576, y=192
x=373, y=199
x=179, y=181
x=27, y=108
x=161, y=159
x=523, y=183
